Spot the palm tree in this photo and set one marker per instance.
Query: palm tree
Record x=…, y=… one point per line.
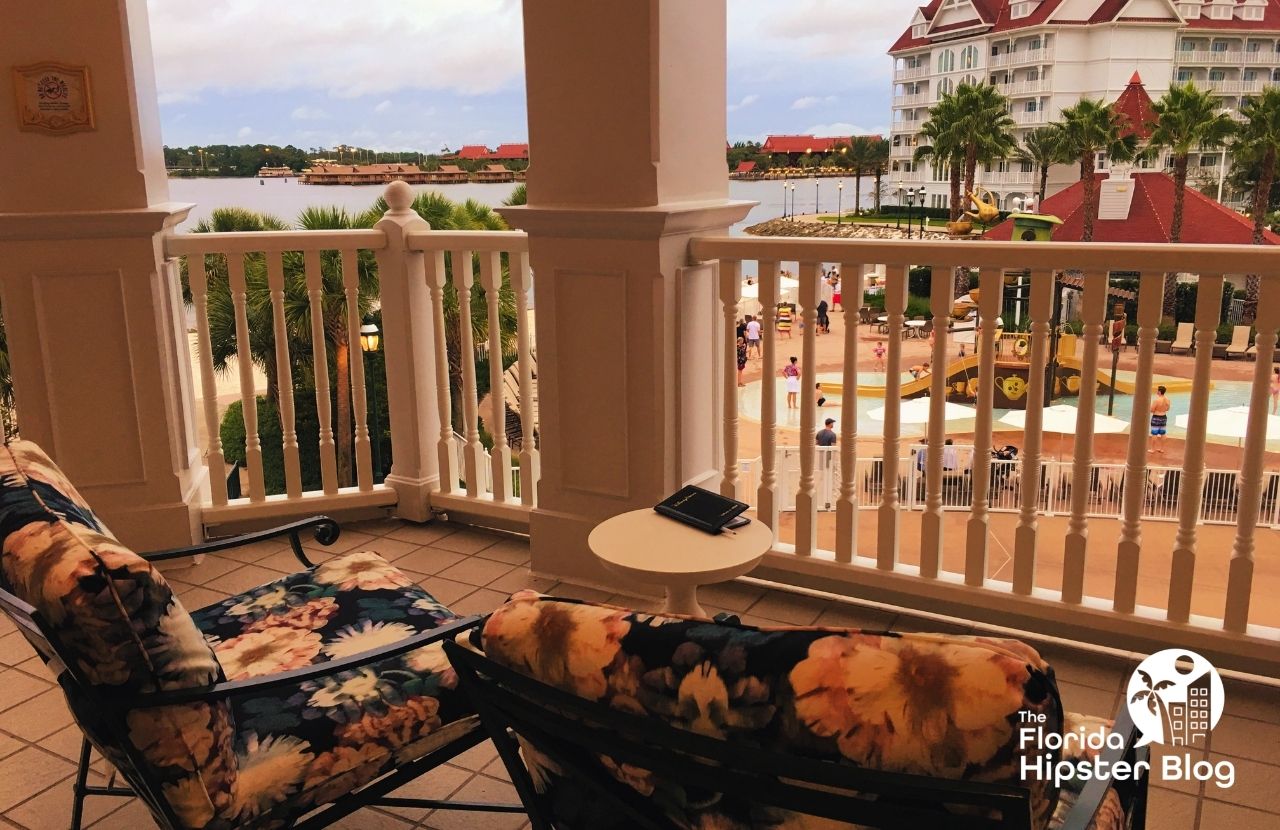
x=880, y=165
x=1087, y=129
x=519, y=196
x=1042, y=147
x=1155, y=703
x=1257, y=142
x=943, y=148
x=861, y=158
x=1186, y=118
x=984, y=127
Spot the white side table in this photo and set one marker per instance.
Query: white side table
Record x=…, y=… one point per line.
x=648, y=547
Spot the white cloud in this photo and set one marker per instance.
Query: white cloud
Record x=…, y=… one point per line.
x=811, y=101
x=841, y=128
x=341, y=48
x=244, y=132
x=747, y=100
x=305, y=113
x=177, y=98
x=382, y=106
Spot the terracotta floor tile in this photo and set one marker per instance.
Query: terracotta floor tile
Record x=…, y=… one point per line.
x=511, y=551
x=736, y=596
x=518, y=579
x=440, y=782
x=1255, y=785
x=133, y=815
x=467, y=541
x=426, y=560
x=1245, y=738
x=570, y=590
x=14, y=649
x=1169, y=810
x=242, y=579
x=29, y=772
x=482, y=601
x=476, y=571
x=1086, y=700
x=422, y=534
x=42, y=715
x=52, y=808
x=479, y=788
x=849, y=615
x=213, y=566
x=1217, y=815
x=446, y=590
x=18, y=687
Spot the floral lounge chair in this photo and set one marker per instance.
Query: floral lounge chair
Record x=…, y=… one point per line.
x=316, y=694
x=630, y=720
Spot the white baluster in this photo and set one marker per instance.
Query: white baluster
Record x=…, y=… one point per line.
x=446, y=453
x=359, y=400
x=730, y=276
x=320, y=357
x=1191, y=488
x=284, y=378
x=847, y=502
x=895, y=306
x=1094, y=309
x=473, y=455
x=248, y=396
x=1240, y=572
x=767, y=494
x=978, y=531
x=500, y=454
x=530, y=470
x=941, y=301
x=1129, y=548
x=1043, y=284
x=208, y=384
x=806, y=506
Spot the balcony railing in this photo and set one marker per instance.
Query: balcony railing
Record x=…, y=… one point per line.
x=911, y=73
x=1022, y=57
x=1232, y=87
x=901, y=152
x=1023, y=87
x=1043, y=586
x=1234, y=57
x=911, y=100
x=1037, y=117
x=1007, y=177
x=416, y=270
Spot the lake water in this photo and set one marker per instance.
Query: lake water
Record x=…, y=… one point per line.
x=286, y=199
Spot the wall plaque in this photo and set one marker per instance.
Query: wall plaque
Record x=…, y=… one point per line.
x=53, y=98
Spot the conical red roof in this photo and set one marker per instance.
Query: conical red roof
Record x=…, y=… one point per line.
x=1134, y=104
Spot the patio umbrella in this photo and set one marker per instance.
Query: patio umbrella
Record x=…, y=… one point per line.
x=916, y=411
x=1232, y=422
x=1061, y=418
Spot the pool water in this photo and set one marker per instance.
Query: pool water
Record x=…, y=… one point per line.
x=1224, y=393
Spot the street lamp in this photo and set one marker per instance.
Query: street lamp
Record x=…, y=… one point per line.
x=898, y=223
x=911, y=202
x=793, y=201
x=784, y=199
x=370, y=340
x=923, y=215
x=840, y=200
x=816, y=210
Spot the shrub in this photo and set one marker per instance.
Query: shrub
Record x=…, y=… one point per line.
x=875, y=301
x=919, y=279
x=271, y=438
x=918, y=307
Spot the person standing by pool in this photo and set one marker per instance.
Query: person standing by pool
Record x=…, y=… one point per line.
x=1275, y=390
x=822, y=399
x=879, y=352
x=1159, y=419
x=824, y=321
x=784, y=319
x=742, y=358
x=753, y=335
x=827, y=437
x=791, y=374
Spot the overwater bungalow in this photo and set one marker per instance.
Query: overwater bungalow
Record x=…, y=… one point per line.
x=493, y=173
x=447, y=174
x=363, y=174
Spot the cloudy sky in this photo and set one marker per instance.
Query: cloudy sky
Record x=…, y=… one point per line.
x=423, y=74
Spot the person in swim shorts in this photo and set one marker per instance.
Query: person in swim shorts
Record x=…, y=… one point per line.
x=1159, y=419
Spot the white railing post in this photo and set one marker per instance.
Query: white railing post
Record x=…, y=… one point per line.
x=895, y=306
x=978, y=531
x=730, y=275
x=1093, y=312
x=500, y=454
x=530, y=458
x=410, y=353
x=248, y=399
x=847, y=501
x=1129, y=548
x=284, y=377
x=355, y=355
x=767, y=494
x=213, y=455
x=1043, y=284
x=941, y=300
x=1240, y=572
x=806, y=506
x=1191, y=491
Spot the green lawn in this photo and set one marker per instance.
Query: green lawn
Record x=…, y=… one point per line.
x=881, y=220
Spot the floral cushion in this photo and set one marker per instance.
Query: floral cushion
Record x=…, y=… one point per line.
x=302, y=746
x=1113, y=813
x=928, y=704
x=117, y=622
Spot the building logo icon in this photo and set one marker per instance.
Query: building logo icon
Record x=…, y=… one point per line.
x=1175, y=697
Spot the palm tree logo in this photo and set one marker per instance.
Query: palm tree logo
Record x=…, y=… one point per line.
x=1155, y=701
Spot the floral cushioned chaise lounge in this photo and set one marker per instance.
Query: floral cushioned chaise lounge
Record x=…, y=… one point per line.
x=260, y=758
x=928, y=704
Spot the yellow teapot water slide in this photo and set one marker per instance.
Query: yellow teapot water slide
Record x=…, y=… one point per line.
x=985, y=209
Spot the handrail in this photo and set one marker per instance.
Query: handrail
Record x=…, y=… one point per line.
x=249, y=242
x=512, y=242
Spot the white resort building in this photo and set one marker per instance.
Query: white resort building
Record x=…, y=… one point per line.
x=1047, y=54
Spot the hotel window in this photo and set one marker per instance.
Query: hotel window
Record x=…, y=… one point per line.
x=1034, y=44
x=1220, y=12
x=945, y=86
x=1254, y=46
x=1018, y=10
x=1218, y=46
x=1184, y=75
x=1186, y=46
x=1217, y=74
x=1208, y=160
x=1033, y=74
x=1190, y=11
x=969, y=57
x=1250, y=75
x=970, y=80
x=1251, y=13
x=947, y=61
x=920, y=30
x=1032, y=106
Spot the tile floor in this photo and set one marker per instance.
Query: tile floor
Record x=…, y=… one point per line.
x=474, y=571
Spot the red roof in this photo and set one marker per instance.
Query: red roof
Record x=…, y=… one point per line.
x=1150, y=212
x=1270, y=20
x=745, y=167
x=1134, y=104
x=510, y=151
x=806, y=143
x=473, y=151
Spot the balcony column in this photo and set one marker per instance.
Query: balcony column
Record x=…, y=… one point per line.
x=627, y=137
x=99, y=352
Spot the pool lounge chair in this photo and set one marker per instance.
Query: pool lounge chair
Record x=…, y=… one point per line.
x=1241, y=343
x=1182, y=340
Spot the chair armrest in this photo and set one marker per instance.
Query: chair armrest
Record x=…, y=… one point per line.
x=266, y=683
x=1086, y=807
x=325, y=530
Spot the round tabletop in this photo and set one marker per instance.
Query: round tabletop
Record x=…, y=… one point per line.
x=649, y=547
x=915, y=324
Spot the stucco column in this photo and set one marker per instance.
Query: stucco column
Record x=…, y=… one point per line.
x=93, y=312
x=627, y=162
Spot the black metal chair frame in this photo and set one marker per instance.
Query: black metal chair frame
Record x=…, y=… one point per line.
x=111, y=711
x=571, y=730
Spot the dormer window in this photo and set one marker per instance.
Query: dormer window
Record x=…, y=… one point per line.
x=920, y=30
x=1250, y=12
x=1191, y=11
x=1220, y=12
x=1022, y=9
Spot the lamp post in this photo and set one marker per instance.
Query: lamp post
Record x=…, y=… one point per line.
x=898, y=218
x=839, y=201
x=784, y=199
x=793, y=201
x=924, y=217
x=370, y=340
x=816, y=209
x=1118, y=322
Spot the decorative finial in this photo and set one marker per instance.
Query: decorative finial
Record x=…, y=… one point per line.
x=399, y=196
